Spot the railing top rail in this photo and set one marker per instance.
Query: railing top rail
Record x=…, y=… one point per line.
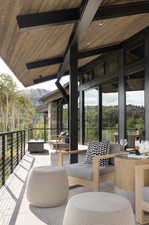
x=10, y=132
x=41, y=128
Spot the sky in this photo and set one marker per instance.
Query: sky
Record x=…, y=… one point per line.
x=49, y=85
x=111, y=99
x=135, y=97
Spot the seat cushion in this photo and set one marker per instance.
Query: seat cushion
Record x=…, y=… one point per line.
x=145, y=194
x=97, y=148
x=82, y=170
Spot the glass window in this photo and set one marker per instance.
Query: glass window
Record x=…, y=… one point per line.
x=91, y=114
x=110, y=112
x=135, y=108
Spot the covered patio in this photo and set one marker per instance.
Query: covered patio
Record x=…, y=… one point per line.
x=103, y=46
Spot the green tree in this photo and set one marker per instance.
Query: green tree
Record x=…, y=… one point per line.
x=16, y=111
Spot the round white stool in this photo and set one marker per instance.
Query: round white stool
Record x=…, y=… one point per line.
x=97, y=208
x=47, y=187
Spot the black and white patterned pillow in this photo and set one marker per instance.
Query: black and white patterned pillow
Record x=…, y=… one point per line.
x=98, y=148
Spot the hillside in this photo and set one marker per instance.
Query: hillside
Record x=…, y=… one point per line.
x=35, y=95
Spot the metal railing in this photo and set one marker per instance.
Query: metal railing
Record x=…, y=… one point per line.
x=12, y=149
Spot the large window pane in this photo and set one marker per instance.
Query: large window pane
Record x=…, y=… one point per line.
x=135, y=108
x=110, y=112
x=91, y=114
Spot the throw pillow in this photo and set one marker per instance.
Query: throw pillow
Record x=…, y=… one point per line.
x=97, y=148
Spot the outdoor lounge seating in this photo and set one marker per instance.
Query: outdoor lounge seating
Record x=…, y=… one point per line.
x=142, y=194
x=47, y=187
x=93, y=208
x=90, y=175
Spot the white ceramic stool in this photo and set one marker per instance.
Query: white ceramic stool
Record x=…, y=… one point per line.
x=97, y=208
x=47, y=187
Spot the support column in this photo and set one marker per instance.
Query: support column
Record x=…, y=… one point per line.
x=73, y=101
x=82, y=118
x=100, y=113
x=122, y=97
x=52, y=120
x=45, y=123
x=59, y=118
x=146, y=85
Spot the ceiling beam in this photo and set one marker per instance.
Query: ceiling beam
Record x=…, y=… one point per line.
x=59, y=17
x=69, y=16
x=122, y=10
x=82, y=54
x=47, y=78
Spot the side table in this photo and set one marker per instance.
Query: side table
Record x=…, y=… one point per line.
x=35, y=146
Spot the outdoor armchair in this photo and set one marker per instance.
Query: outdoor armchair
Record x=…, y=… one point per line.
x=90, y=175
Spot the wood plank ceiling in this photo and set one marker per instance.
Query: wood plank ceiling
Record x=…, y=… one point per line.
x=18, y=47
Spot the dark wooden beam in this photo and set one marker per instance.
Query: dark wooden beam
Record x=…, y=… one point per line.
x=122, y=98
x=59, y=17
x=146, y=85
x=82, y=54
x=88, y=13
x=44, y=62
x=73, y=101
x=68, y=16
x=122, y=10
x=62, y=90
x=136, y=67
x=47, y=78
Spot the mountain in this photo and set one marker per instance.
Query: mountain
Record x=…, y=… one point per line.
x=35, y=95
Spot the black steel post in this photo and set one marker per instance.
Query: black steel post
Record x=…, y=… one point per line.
x=146, y=85
x=122, y=97
x=24, y=138
x=73, y=101
x=100, y=113
x=82, y=118
x=21, y=143
x=17, y=142
x=11, y=153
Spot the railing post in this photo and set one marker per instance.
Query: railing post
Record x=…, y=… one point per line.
x=28, y=134
x=21, y=143
x=24, y=140
x=3, y=159
x=17, y=147
x=11, y=139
